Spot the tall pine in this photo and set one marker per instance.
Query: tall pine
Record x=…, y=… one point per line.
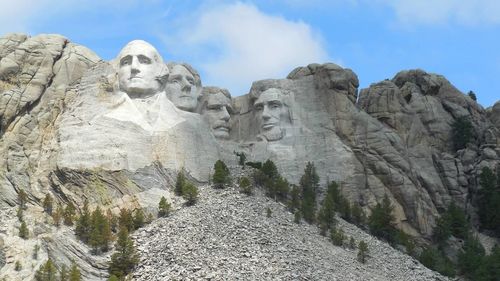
x=309, y=183
x=125, y=257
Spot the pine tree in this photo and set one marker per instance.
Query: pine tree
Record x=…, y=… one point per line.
x=113, y=278
x=139, y=219
x=462, y=132
x=245, y=186
x=126, y=220
x=74, y=273
x=69, y=214
x=282, y=188
x=20, y=214
x=23, y=230
x=46, y=272
x=309, y=183
x=18, y=266
x=270, y=170
x=381, y=220
x=83, y=224
x=362, y=251
x=268, y=212
x=358, y=215
x=125, y=257
x=472, y=95
x=22, y=198
x=326, y=215
x=100, y=233
x=190, y=194
x=294, y=203
x=163, y=207
x=221, y=175
x=472, y=256
x=47, y=204
x=489, y=201
x=337, y=236
x=179, y=183
x=297, y=217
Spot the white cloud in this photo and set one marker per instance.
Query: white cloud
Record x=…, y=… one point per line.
x=466, y=12
x=236, y=44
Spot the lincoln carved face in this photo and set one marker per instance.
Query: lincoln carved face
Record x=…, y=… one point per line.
x=141, y=69
x=217, y=109
x=183, y=87
x=271, y=114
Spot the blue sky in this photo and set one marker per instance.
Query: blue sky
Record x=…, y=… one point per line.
x=233, y=43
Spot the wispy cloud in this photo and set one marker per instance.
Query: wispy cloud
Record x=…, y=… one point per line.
x=236, y=44
x=430, y=12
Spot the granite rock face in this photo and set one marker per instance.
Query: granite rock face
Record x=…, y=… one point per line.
x=77, y=127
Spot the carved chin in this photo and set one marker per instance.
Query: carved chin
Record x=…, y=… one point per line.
x=274, y=134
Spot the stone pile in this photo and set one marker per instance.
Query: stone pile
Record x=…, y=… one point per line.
x=228, y=236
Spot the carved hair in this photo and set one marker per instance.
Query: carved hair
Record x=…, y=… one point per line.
x=196, y=75
x=211, y=91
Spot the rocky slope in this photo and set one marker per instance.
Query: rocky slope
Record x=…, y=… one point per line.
x=228, y=236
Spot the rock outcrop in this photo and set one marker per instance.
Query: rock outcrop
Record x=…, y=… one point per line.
x=69, y=128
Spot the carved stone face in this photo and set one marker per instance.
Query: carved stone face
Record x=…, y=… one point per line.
x=217, y=113
x=182, y=89
x=271, y=114
x=139, y=70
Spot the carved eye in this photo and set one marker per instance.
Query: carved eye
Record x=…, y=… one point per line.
x=126, y=61
x=144, y=59
x=259, y=107
x=275, y=105
x=190, y=80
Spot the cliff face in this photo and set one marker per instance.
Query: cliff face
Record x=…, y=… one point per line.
x=68, y=131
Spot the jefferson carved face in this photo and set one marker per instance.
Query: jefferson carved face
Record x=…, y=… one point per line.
x=216, y=110
x=271, y=114
x=182, y=88
x=140, y=68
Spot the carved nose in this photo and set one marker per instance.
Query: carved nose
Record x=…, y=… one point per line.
x=186, y=86
x=225, y=114
x=265, y=113
x=135, y=65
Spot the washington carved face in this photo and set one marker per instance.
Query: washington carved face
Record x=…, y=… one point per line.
x=216, y=110
x=140, y=68
x=182, y=88
x=271, y=114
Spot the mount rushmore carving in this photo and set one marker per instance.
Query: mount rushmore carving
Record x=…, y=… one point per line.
x=72, y=122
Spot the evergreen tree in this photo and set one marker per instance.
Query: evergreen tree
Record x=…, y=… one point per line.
x=84, y=223
x=268, y=212
x=126, y=220
x=358, y=216
x=489, y=269
x=20, y=214
x=113, y=278
x=472, y=256
x=69, y=214
x=472, y=95
x=294, y=198
x=100, y=233
x=245, y=186
x=74, y=273
x=46, y=272
x=23, y=230
x=337, y=236
x=489, y=201
x=164, y=207
x=326, y=215
x=452, y=222
x=179, y=183
x=22, y=198
x=462, y=132
x=282, y=188
x=47, y=204
x=362, y=251
x=381, y=220
x=139, y=219
x=297, y=217
x=190, y=193
x=270, y=170
x=241, y=158
x=221, y=175
x=437, y=261
x=113, y=221
x=125, y=257
x=18, y=266
x=352, y=243
x=309, y=182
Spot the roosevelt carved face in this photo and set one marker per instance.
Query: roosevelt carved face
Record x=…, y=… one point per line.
x=271, y=114
x=140, y=69
x=182, y=88
x=216, y=110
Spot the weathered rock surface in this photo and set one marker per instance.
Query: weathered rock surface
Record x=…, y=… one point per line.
x=227, y=236
x=66, y=130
